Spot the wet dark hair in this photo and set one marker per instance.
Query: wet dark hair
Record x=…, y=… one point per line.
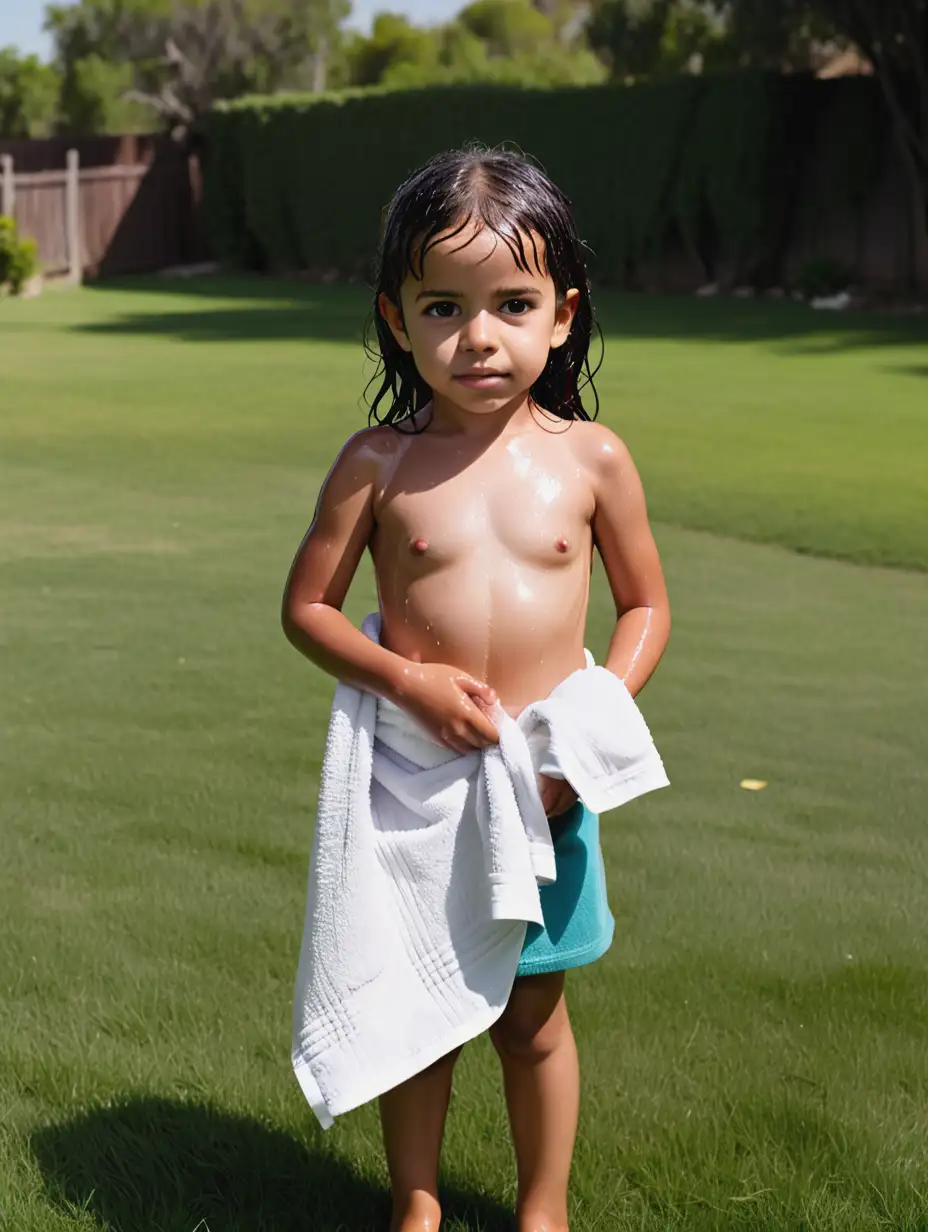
x=509, y=195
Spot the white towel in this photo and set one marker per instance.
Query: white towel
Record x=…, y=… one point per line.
x=424, y=871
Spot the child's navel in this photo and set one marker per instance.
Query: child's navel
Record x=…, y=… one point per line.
x=420, y=545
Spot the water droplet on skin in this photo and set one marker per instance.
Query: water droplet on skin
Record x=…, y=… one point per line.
x=547, y=488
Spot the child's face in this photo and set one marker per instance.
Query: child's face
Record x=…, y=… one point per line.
x=478, y=327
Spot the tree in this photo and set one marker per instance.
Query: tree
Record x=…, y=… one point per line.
x=508, y=27
x=627, y=35
x=492, y=40
x=893, y=35
x=784, y=37
x=695, y=38
x=28, y=95
x=394, y=46
x=180, y=56
x=94, y=98
x=643, y=38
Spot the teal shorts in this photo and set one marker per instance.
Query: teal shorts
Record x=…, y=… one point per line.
x=578, y=924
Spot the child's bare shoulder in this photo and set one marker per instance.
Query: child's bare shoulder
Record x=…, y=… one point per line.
x=366, y=451
x=602, y=453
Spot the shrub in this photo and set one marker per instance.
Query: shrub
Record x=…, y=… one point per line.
x=19, y=258
x=821, y=276
x=297, y=182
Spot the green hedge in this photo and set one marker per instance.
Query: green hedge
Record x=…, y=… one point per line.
x=297, y=182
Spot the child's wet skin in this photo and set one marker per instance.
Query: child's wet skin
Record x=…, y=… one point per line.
x=480, y=510
x=490, y=570
x=483, y=540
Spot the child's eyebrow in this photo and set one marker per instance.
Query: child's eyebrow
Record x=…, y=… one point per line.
x=502, y=292
x=439, y=295
x=516, y=292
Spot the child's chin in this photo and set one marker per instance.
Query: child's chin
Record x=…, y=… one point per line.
x=483, y=401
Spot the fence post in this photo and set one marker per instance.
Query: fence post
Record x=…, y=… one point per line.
x=7, y=185
x=72, y=217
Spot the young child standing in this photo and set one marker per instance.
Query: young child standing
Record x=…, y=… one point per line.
x=480, y=496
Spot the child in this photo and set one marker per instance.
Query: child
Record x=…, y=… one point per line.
x=480, y=497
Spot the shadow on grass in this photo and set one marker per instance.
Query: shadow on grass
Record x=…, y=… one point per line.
x=252, y=309
x=916, y=370
x=155, y=1165
x=265, y=309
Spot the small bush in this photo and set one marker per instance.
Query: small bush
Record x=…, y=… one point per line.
x=822, y=276
x=19, y=258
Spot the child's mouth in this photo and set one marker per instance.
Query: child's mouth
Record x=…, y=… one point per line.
x=482, y=380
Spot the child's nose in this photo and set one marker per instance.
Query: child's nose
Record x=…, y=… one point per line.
x=478, y=334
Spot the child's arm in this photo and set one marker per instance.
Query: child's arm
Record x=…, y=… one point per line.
x=322, y=572
x=628, y=552
x=438, y=695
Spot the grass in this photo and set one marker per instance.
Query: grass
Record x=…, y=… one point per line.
x=755, y=1044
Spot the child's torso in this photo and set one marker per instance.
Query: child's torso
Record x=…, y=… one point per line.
x=483, y=558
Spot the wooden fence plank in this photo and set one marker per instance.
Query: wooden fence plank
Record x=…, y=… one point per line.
x=73, y=217
x=128, y=217
x=7, y=185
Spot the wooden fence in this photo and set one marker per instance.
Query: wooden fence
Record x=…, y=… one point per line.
x=109, y=218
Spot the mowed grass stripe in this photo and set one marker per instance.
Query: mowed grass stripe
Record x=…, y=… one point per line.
x=754, y=1044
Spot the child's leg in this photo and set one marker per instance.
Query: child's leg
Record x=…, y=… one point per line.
x=542, y=1081
x=413, y=1119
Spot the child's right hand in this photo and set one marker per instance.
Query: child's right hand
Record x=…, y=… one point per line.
x=449, y=704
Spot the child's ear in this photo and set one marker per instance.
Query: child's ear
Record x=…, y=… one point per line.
x=564, y=317
x=394, y=318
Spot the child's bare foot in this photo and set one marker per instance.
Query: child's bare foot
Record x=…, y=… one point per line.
x=419, y=1212
x=539, y=1222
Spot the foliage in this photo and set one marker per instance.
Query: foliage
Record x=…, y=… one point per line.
x=19, y=257
x=507, y=27
x=552, y=67
x=823, y=276
x=567, y=15
x=693, y=38
x=713, y=160
x=852, y=134
x=639, y=38
x=894, y=38
x=628, y=36
x=781, y=35
x=740, y=162
x=394, y=44
x=28, y=95
x=94, y=98
x=180, y=57
x=501, y=41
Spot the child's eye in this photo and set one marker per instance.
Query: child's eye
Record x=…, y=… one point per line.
x=441, y=308
x=517, y=307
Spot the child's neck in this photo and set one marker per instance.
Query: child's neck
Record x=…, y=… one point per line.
x=449, y=419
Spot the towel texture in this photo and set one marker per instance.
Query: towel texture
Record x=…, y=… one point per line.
x=425, y=869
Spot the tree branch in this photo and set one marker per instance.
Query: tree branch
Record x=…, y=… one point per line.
x=166, y=103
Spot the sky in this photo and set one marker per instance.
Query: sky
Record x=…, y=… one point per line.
x=21, y=20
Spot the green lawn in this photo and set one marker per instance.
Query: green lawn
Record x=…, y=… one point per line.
x=755, y=1043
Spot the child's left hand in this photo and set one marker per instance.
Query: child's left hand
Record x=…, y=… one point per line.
x=557, y=795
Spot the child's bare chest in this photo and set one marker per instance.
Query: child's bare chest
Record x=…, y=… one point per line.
x=528, y=503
